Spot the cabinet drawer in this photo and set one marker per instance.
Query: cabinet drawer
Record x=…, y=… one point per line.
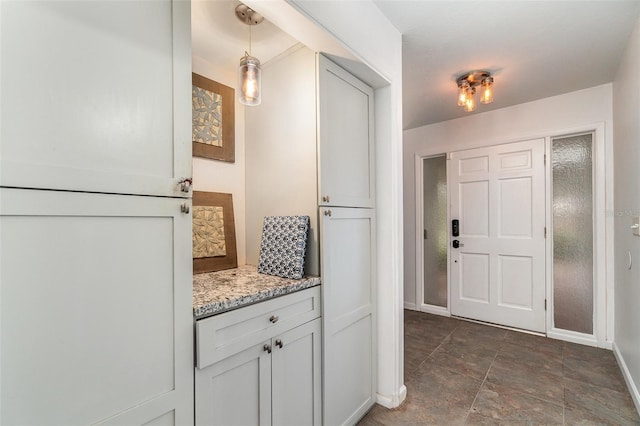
x=226, y=334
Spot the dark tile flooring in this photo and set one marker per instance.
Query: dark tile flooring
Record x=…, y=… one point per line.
x=459, y=372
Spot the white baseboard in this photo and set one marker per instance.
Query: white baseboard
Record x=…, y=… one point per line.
x=402, y=394
x=393, y=401
x=411, y=306
x=435, y=310
x=633, y=389
x=573, y=337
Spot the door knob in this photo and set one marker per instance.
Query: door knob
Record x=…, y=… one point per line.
x=267, y=348
x=279, y=343
x=457, y=244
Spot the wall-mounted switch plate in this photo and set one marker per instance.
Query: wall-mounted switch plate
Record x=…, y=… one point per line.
x=635, y=225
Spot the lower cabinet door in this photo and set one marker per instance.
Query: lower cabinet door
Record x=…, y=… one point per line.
x=236, y=390
x=296, y=376
x=96, y=309
x=347, y=241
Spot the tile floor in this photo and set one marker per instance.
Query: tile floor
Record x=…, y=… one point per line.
x=458, y=372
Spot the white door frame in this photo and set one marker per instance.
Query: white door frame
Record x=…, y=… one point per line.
x=603, y=232
x=602, y=241
x=420, y=305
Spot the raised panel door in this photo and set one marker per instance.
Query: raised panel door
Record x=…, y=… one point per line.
x=497, y=272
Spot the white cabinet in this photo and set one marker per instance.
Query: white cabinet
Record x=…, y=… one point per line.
x=345, y=133
x=94, y=101
x=296, y=376
x=347, y=243
x=96, y=306
x=95, y=309
x=349, y=314
x=339, y=141
x=265, y=371
x=236, y=390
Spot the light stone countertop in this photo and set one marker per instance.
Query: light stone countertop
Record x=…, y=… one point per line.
x=217, y=292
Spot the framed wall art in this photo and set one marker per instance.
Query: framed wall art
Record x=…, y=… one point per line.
x=213, y=119
x=214, y=234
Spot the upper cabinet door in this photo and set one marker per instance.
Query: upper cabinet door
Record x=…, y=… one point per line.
x=345, y=126
x=96, y=96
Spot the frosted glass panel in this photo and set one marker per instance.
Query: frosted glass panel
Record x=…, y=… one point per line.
x=435, y=232
x=573, y=233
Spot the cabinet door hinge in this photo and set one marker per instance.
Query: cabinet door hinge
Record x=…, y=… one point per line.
x=545, y=304
x=545, y=232
x=545, y=159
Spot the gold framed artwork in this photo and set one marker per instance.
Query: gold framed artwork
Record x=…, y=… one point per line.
x=213, y=119
x=214, y=234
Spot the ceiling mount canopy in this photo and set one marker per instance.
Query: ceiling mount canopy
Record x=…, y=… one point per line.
x=249, y=73
x=247, y=15
x=467, y=84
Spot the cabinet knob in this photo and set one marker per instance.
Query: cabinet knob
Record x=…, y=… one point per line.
x=184, y=208
x=279, y=343
x=327, y=212
x=267, y=348
x=274, y=319
x=185, y=184
x=325, y=198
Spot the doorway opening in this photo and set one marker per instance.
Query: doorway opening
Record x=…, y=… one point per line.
x=547, y=198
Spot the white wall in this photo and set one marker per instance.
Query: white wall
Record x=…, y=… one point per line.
x=543, y=117
x=626, y=147
x=220, y=176
x=281, y=176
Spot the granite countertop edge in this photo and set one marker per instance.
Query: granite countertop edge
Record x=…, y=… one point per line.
x=223, y=291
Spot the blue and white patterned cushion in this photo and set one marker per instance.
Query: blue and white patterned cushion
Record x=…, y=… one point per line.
x=283, y=246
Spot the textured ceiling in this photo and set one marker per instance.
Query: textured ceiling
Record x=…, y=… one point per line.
x=536, y=49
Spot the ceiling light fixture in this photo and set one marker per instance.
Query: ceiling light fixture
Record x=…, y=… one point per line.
x=249, y=73
x=467, y=84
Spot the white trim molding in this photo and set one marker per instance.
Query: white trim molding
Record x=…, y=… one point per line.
x=602, y=234
x=419, y=240
x=603, y=313
x=411, y=306
x=633, y=388
x=394, y=401
x=435, y=310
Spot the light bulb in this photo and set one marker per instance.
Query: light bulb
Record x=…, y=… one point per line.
x=486, y=96
x=470, y=103
x=463, y=89
x=249, y=76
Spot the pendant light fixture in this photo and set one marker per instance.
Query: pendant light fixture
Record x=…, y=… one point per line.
x=249, y=73
x=467, y=84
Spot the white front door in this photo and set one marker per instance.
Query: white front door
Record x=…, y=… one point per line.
x=498, y=270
